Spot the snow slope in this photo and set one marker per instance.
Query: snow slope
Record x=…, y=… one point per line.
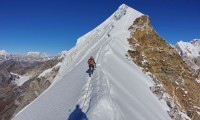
x=22, y=80
x=118, y=89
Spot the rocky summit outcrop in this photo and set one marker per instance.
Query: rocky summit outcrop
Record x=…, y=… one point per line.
x=156, y=56
x=13, y=98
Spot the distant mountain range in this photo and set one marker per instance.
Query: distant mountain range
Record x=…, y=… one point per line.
x=30, y=56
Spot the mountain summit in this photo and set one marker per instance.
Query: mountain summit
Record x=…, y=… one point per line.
x=118, y=89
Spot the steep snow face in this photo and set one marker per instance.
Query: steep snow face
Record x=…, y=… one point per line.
x=190, y=49
x=118, y=89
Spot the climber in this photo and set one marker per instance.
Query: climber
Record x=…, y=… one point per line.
x=91, y=64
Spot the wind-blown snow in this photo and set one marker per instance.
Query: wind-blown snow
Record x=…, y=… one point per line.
x=118, y=89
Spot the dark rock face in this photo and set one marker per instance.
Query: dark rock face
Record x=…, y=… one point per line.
x=153, y=54
x=7, y=101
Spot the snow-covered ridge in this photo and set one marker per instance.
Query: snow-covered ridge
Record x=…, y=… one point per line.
x=190, y=49
x=118, y=89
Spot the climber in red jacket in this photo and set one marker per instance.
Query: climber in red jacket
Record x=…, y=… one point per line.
x=91, y=64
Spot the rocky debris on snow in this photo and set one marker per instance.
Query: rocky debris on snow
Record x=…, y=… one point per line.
x=154, y=55
x=159, y=91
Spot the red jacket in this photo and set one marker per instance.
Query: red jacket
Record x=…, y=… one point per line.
x=91, y=61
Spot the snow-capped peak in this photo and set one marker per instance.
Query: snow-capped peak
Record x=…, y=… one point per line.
x=3, y=52
x=122, y=5
x=36, y=54
x=117, y=15
x=190, y=49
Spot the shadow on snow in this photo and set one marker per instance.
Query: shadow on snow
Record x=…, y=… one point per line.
x=77, y=114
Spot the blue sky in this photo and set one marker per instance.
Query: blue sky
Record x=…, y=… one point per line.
x=52, y=26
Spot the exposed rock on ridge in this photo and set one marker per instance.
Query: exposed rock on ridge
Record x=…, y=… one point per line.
x=153, y=54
